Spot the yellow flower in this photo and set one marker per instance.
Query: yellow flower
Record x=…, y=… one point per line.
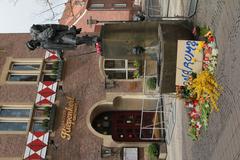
x=206, y=84
x=194, y=60
x=200, y=44
x=196, y=51
x=209, y=33
x=199, y=47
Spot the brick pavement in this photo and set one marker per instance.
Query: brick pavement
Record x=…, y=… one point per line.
x=221, y=141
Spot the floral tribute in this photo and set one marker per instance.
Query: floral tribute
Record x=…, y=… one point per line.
x=98, y=47
x=201, y=91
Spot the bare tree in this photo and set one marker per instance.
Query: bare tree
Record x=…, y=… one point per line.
x=51, y=8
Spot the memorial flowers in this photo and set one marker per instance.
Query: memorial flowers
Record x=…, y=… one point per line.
x=204, y=92
x=201, y=91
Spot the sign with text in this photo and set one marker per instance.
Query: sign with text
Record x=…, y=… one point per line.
x=188, y=60
x=70, y=116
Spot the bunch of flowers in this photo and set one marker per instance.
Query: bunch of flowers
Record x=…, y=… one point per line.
x=204, y=92
x=207, y=46
x=198, y=112
x=210, y=53
x=201, y=91
x=98, y=47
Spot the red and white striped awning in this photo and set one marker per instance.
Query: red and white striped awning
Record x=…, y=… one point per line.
x=46, y=93
x=36, y=148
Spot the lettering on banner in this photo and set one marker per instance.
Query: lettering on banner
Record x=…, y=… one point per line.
x=185, y=64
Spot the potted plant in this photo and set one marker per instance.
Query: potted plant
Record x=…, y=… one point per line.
x=47, y=111
x=138, y=72
x=153, y=151
x=151, y=83
x=45, y=124
x=57, y=70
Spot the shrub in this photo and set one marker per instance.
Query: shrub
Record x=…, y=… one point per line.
x=153, y=151
x=151, y=83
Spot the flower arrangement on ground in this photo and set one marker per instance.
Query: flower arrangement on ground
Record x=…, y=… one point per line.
x=202, y=90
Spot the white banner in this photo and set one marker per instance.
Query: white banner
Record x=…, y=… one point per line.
x=189, y=59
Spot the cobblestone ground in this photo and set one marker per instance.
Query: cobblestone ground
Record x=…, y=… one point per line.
x=222, y=140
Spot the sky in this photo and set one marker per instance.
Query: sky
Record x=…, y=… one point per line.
x=18, y=17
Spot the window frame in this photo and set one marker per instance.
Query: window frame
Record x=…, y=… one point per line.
x=126, y=69
x=17, y=119
x=46, y=71
x=7, y=70
x=119, y=5
x=97, y=6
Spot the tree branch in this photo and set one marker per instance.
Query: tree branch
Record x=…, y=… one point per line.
x=51, y=9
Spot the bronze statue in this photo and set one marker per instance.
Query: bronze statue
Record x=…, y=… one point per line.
x=57, y=37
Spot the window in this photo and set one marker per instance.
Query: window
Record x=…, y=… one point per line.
x=49, y=71
x=30, y=71
x=120, y=5
x=39, y=125
x=41, y=118
x=15, y=118
x=24, y=71
x=97, y=6
x=121, y=69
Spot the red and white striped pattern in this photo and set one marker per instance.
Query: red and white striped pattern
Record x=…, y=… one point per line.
x=46, y=93
x=36, y=148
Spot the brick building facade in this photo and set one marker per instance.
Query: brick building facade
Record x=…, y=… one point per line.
x=13, y=47
x=84, y=13
x=82, y=79
x=111, y=84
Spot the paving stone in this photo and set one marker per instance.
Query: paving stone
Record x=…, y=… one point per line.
x=221, y=141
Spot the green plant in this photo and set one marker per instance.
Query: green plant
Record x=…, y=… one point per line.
x=46, y=108
x=54, y=69
x=153, y=151
x=55, y=65
x=192, y=132
x=53, y=76
x=47, y=111
x=136, y=74
x=151, y=83
x=45, y=123
x=136, y=64
x=204, y=30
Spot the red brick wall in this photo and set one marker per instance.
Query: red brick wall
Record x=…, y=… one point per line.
x=82, y=80
x=76, y=15
x=14, y=46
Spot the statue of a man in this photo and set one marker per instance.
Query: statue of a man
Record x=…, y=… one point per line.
x=57, y=37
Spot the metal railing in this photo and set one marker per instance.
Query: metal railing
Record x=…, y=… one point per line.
x=164, y=107
x=170, y=120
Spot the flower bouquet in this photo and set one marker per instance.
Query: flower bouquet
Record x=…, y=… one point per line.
x=201, y=91
x=203, y=95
